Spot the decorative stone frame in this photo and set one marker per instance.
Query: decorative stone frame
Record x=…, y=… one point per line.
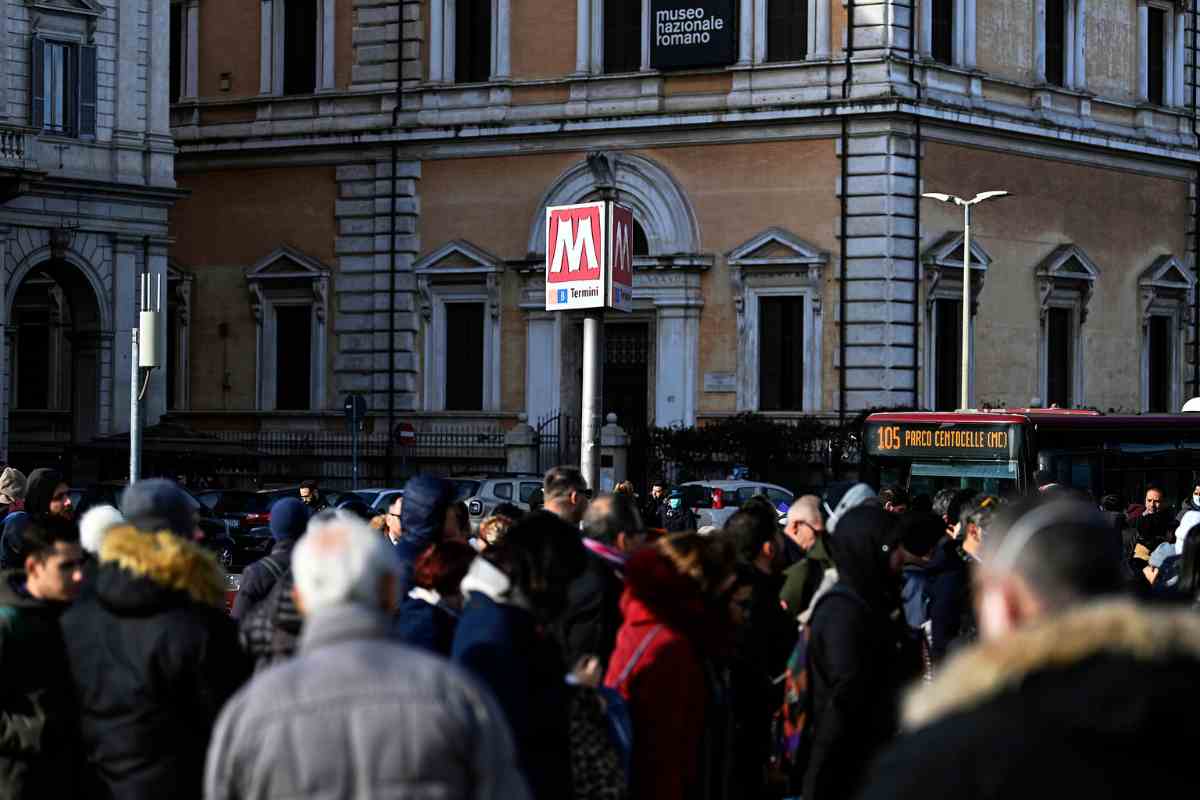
x=443, y=44
x=1065, y=279
x=942, y=268
x=776, y=263
x=666, y=283
x=179, y=290
x=271, y=55
x=962, y=34
x=287, y=277
x=189, y=49
x=458, y=272
x=1074, y=48
x=1174, y=50
x=1165, y=289
x=752, y=35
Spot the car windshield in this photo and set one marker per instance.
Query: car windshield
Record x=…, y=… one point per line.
x=465, y=489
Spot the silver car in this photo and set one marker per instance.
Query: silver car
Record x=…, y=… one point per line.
x=714, y=502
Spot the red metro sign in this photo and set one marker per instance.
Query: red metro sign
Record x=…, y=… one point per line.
x=589, y=257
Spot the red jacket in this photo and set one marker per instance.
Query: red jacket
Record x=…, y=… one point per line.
x=666, y=689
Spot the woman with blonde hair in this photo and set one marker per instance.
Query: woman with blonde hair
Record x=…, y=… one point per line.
x=676, y=622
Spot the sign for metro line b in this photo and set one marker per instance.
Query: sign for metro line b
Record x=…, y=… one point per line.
x=589, y=257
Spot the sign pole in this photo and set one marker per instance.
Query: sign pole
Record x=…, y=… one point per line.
x=593, y=387
x=966, y=308
x=354, y=450
x=135, y=416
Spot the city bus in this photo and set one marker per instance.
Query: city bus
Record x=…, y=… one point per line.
x=1001, y=451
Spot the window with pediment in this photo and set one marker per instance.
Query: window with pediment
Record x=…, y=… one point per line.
x=62, y=68
x=1066, y=280
x=459, y=289
x=289, y=295
x=778, y=285
x=942, y=268
x=1165, y=306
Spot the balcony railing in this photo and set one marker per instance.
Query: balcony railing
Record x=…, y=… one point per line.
x=16, y=147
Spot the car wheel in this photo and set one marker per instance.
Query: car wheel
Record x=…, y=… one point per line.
x=225, y=558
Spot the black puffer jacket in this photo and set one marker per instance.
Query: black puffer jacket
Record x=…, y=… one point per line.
x=39, y=754
x=1074, y=706
x=153, y=658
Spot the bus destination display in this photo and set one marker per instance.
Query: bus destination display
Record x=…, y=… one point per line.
x=931, y=440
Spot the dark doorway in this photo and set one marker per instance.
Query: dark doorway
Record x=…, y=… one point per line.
x=627, y=385
x=464, y=356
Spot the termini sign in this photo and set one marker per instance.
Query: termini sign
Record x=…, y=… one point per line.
x=691, y=33
x=589, y=257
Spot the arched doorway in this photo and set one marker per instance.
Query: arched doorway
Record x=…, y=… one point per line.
x=56, y=346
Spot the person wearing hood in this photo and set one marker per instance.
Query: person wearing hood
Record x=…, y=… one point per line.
x=676, y=623
x=152, y=654
x=860, y=655
x=674, y=514
x=512, y=592
x=948, y=579
x=39, y=754
x=837, y=504
x=289, y=517
x=423, y=520
x=46, y=494
x=12, y=490
x=1067, y=681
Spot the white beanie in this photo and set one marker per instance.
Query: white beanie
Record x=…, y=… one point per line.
x=95, y=523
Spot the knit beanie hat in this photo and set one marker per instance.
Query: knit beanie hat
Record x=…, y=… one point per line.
x=12, y=485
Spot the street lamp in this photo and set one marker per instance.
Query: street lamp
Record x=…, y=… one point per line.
x=966, y=303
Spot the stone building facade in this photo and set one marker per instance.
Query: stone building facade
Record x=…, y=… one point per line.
x=86, y=160
x=342, y=236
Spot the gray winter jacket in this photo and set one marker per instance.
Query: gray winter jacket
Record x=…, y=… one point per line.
x=357, y=715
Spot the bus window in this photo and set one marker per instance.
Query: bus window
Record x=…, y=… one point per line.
x=991, y=478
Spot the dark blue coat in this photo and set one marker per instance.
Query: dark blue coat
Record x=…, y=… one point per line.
x=427, y=626
x=502, y=646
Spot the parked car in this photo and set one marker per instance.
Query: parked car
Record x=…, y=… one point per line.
x=332, y=498
x=215, y=533
x=379, y=499
x=483, y=493
x=714, y=502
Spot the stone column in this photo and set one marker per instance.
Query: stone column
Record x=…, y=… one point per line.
x=614, y=454
x=678, y=356
x=520, y=447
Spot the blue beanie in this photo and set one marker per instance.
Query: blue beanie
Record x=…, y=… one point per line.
x=156, y=505
x=289, y=518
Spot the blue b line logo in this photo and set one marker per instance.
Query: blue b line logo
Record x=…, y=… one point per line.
x=562, y=295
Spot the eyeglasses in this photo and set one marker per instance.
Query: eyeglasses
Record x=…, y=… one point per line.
x=390, y=514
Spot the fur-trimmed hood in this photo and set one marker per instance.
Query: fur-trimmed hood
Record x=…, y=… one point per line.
x=1117, y=628
x=143, y=567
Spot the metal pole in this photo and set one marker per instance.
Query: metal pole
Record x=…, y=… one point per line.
x=354, y=448
x=589, y=460
x=135, y=417
x=966, y=305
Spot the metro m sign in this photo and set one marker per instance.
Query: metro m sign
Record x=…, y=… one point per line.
x=589, y=256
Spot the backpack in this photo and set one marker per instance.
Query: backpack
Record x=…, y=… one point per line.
x=270, y=630
x=597, y=768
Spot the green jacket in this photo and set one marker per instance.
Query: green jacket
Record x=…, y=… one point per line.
x=37, y=752
x=803, y=578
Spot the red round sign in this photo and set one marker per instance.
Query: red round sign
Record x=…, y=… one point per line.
x=405, y=433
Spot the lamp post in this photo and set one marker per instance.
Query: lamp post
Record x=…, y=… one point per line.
x=966, y=302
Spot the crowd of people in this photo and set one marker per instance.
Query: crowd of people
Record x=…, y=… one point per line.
x=599, y=646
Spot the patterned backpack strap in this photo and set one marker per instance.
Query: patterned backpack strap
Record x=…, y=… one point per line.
x=637, y=654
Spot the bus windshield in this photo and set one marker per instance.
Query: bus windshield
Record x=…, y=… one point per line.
x=989, y=477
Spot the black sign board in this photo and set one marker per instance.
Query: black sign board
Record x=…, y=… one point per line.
x=912, y=440
x=692, y=33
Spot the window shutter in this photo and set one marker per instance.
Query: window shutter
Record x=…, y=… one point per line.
x=37, y=56
x=87, y=90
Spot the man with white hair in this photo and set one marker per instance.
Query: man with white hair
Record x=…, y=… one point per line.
x=356, y=714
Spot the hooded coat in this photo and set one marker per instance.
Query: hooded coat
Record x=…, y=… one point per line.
x=39, y=754
x=667, y=687
x=153, y=657
x=422, y=519
x=499, y=641
x=860, y=655
x=1060, y=706
x=38, y=494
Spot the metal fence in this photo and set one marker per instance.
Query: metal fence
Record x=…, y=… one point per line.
x=290, y=456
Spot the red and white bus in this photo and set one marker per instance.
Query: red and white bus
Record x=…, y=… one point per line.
x=1001, y=451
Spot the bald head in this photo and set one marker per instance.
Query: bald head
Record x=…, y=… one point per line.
x=804, y=522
